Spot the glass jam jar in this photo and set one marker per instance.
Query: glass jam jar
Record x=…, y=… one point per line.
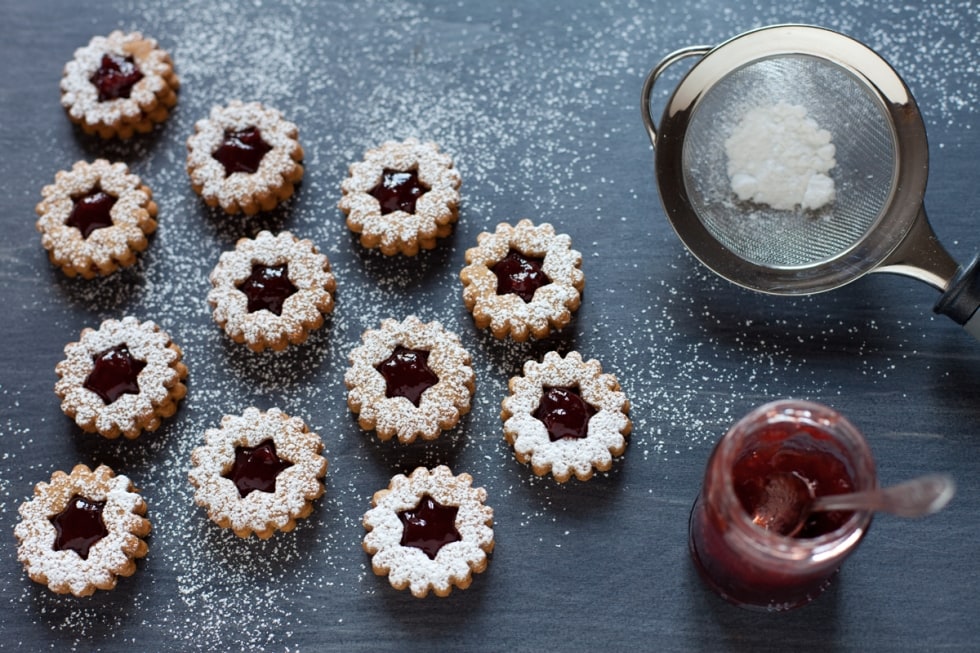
x=755, y=567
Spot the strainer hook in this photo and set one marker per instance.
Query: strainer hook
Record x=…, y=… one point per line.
x=654, y=74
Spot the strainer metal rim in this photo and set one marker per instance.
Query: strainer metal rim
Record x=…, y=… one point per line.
x=889, y=228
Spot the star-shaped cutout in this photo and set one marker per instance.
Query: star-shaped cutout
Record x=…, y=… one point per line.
x=79, y=526
x=242, y=151
x=91, y=212
x=116, y=373
x=256, y=468
x=520, y=275
x=398, y=191
x=267, y=287
x=407, y=373
x=115, y=77
x=429, y=526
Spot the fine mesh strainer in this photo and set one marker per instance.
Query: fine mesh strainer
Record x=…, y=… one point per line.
x=876, y=223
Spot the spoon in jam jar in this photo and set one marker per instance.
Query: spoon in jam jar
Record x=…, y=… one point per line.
x=789, y=500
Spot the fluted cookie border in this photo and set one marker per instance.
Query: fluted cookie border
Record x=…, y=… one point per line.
x=65, y=571
x=440, y=406
x=607, y=428
x=408, y=567
x=296, y=487
x=160, y=382
x=508, y=315
x=242, y=192
x=400, y=232
x=105, y=249
x=302, y=312
x=150, y=99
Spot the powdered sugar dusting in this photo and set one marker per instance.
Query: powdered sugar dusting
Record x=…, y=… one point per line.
x=258, y=512
x=440, y=406
x=278, y=169
x=565, y=456
x=81, y=96
x=508, y=315
x=307, y=269
x=64, y=570
x=160, y=384
x=393, y=232
x=106, y=248
x=453, y=564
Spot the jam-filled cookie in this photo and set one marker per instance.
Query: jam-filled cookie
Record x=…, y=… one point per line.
x=522, y=281
x=564, y=416
x=403, y=196
x=119, y=85
x=94, y=218
x=82, y=531
x=121, y=379
x=409, y=379
x=429, y=531
x=244, y=157
x=259, y=472
x=271, y=291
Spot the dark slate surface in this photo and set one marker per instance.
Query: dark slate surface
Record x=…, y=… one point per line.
x=539, y=106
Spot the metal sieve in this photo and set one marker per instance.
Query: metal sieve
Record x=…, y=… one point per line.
x=876, y=222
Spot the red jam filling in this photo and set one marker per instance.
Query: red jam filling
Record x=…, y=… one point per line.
x=398, y=191
x=115, y=77
x=79, y=526
x=267, y=287
x=429, y=526
x=520, y=275
x=242, y=151
x=115, y=374
x=407, y=373
x=564, y=413
x=802, y=454
x=256, y=468
x=91, y=212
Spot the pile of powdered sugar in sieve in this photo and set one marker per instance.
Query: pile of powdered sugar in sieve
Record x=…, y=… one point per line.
x=779, y=156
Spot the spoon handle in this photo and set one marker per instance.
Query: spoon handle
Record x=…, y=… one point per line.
x=915, y=498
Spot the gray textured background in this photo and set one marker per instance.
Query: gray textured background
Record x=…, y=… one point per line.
x=539, y=106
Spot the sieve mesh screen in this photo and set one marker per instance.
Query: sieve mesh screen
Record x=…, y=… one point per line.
x=864, y=175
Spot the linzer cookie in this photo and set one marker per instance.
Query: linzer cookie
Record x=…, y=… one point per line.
x=409, y=379
x=564, y=417
x=82, y=531
x=245, y=158
x=271, y=291
x=403, y=196
x=121, y=379
x=95, y=218
x=119, y=85
x=522, y=281
x=429, y=531
x=259, y=472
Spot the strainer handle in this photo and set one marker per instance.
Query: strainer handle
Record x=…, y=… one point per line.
x=962, y=298
x=672, y=58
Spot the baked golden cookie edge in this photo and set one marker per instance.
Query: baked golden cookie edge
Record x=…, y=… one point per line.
x=65, y=571
x=508, y=315
x=105, y=249
x=400, y=231
x=529, y=437
x=409, y=567
x=440, y=406
x=160, y=382
x=260, y=512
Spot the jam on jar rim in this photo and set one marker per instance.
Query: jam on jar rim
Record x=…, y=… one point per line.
x=764, y=543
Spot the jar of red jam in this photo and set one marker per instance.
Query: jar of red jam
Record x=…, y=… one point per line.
x=757, y=567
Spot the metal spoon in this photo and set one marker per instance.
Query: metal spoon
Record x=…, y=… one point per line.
x=789, y=500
